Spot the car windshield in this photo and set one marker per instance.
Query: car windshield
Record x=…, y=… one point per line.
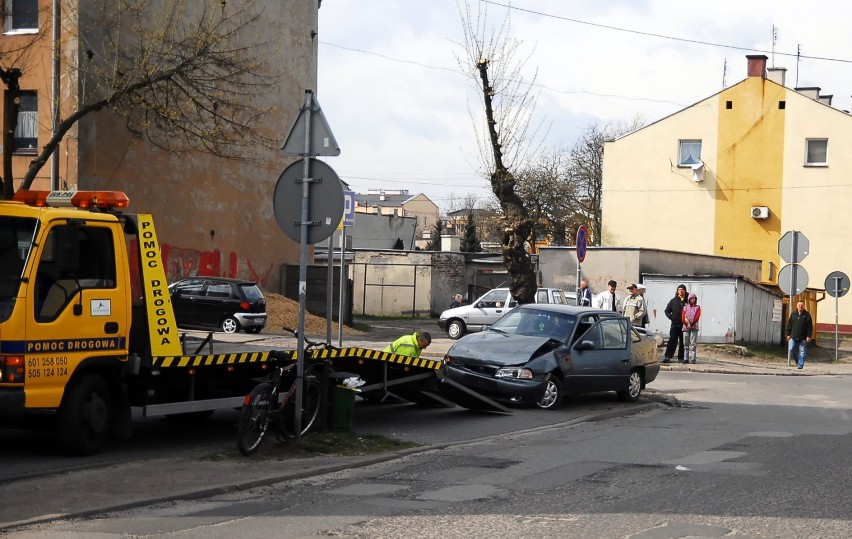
x=252, y=292
x=537, y=323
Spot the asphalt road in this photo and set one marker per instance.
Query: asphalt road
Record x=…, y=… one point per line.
x=737, y=456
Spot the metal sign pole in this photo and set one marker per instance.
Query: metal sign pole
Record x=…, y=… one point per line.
x=343, y=282
x=329, y=288
x=579, y=299
x=793, y=243
x=836, y=317
x=303, y=264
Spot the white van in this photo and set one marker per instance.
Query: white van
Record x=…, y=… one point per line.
x=489, y=308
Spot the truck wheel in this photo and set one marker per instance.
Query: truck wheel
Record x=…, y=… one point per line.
x=85, y=416
x=552, y=396
x=230, y=325
x=456, y=329
x=634, y=387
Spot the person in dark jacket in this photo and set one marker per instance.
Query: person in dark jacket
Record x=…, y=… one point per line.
x=800, y=325
x=673, y=311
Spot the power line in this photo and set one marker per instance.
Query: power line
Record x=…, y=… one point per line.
x=663, y=36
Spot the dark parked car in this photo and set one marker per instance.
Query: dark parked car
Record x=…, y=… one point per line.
x=218, y=303
x=536, y=353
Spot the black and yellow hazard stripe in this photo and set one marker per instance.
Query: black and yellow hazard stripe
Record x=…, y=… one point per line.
x=262, y=357
x=212, y=359
x=377, y=355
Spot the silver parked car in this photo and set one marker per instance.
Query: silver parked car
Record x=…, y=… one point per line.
x=489, y=308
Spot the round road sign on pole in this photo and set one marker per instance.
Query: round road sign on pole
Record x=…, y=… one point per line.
x=325, y=202
x=582, y=238
x=793, y=279
x=837, y=284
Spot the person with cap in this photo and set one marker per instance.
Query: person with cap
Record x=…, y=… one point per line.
x=674, y=312
x=634, y=306
x=608, y=299
x=690, y=317
x=645, y=319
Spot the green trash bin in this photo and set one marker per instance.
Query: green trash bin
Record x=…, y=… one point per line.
x=342, y=408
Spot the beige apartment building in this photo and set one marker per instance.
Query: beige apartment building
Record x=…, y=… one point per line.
x=731, y=174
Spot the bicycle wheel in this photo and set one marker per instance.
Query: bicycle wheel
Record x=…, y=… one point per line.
x=254, y=418
x=311, y=400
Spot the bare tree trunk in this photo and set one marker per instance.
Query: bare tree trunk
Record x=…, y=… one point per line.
x=518, y=229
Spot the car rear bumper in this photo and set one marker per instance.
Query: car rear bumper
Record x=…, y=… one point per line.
x=251, y=320
x=651, y=372
x=11, y=404
x=502, y=389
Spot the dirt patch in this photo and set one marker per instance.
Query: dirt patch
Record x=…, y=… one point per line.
x=282, y=311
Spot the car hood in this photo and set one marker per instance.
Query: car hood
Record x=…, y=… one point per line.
x=495, y=348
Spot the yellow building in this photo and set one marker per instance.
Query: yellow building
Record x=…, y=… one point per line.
x=214, y=215
x=732, y=173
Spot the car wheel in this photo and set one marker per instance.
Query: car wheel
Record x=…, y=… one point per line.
x=230, y=325
x=253, y=330
x=552, y=396
x=634, y=387
x=456, y=329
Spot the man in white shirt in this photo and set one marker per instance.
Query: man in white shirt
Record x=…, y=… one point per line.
x=608, y=299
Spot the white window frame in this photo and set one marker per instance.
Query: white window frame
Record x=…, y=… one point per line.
x=9, y=27
x=808, y=157
x=692, y=159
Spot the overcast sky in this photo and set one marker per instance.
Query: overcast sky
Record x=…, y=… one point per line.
x=399, y=107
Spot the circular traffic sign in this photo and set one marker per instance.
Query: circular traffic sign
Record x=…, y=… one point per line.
x=837, y=284
x=793, y=279
x=581, y=243
x=325, y=201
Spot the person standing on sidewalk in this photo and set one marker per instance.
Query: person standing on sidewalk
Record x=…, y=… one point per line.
x=634, y=306
x=645, y=319
x=674, y=311
x=800, y=325
x=608, y=299
x=584, y=295
x=690, y=317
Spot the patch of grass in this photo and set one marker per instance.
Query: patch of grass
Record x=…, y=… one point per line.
x=317, y=444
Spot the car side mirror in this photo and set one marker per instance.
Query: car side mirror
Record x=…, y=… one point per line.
x=584, y=345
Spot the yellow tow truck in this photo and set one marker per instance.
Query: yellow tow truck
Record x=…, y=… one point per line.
x=80, y=341
x=88, y=338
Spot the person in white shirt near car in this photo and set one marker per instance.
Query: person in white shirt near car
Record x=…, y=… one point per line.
x=608, y=299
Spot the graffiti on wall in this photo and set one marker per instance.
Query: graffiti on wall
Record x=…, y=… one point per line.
x=182, y=262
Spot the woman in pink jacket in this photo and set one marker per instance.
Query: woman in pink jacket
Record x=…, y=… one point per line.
x=690, y=316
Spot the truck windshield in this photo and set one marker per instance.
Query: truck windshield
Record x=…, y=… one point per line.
x=16, y=238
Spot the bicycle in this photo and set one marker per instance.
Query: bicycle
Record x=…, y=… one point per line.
x=271, y=404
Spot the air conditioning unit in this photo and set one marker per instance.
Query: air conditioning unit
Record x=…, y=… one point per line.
x=760, y=212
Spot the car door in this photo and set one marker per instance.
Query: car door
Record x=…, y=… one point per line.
x=600, y=357
x=217, y=303
x=185, y=297
x=489, y=308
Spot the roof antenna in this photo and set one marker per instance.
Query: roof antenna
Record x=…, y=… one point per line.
x=774, y=42
x=798, y=59
x=724, y=74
